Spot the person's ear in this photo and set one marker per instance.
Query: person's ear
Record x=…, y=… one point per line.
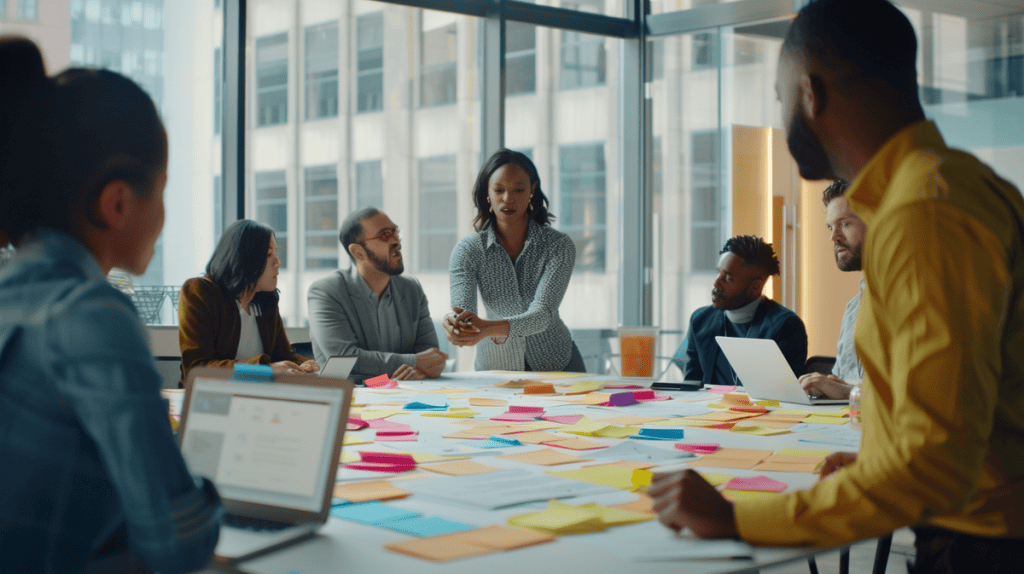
x=757, y=286
x=357, y=252
x=114, y=206
x=813, y=95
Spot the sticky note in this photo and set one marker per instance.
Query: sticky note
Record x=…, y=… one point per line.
x=418, y=406
x=642, y=479
x=613, y=431
x=497, y=441
x=439, y=548
x=355, y=423
x=577, y=444
x=769, y=465
x=460, y=468
x=381, y=382
x=756, y=430
x=505, y=537
x=621, y=400
x=482, y=402
x=539, y=389
x=659, y=434
x=759, y=483
x=629, y=420
x=605, y=475
x=563, y=419
x=427, y=526
x=451, y=414
x=631, y=464
x=545, y=457
x=714, y=479
x=581, y=387
x=353, y=440
x=826, y=419
x=722, y=390
x=697, y=448
x=371, y=512
x=383, y=462
x=746, y=494
x=537, y=411
x=537, y=437
x=371, y=490
x=514, y=417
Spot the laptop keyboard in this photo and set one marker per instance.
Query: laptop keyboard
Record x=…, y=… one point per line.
x=250, y=523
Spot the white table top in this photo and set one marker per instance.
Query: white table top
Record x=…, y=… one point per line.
x=353, y=547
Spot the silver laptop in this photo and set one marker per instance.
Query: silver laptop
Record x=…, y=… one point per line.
x=272, y=450
x=338, y=367
x=764, y=372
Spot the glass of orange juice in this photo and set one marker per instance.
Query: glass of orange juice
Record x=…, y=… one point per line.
x=638, y=349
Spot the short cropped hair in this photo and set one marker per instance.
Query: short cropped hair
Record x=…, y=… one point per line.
x=837, y=189
x=754, y=251
x=872, y=36
x=352, y=228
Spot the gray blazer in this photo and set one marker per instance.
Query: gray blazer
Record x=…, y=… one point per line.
x=338, y=325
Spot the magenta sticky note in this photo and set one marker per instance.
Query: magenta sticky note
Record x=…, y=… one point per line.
x=644, y=395
x=387, y=458
x=402, y=437
x=622, y=386
x=395, y=432
x=380, y=466
x=697, y=448
x=759, y=483
x=563, y=419
x=381, y=382
x=355, y=423
x=524, y=409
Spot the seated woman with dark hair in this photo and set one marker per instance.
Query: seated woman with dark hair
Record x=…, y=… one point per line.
x=521, y=267
x=230, y=314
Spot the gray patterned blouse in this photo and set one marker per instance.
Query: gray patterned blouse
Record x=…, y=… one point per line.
x=526, y=293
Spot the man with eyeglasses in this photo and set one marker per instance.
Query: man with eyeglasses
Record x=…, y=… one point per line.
x=370, y=311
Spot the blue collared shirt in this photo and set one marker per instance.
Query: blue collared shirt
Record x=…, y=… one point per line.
x=87, y=450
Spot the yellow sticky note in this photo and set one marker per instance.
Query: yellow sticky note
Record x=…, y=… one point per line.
x=768, y=403
x=826, y=420
x=803, y=452
x=714, y=479
x=560, y=519
x=352, y=440
x=840, y=412
x=584, y=426
x=746, y=494
x=451, y=415
x=757, y=430
x=617, y=431
x=613, y=476
x=349, y=456
x=642, y=479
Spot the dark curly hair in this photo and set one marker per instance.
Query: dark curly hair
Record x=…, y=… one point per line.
x=538, y=204
x=837, y=189
x=753, y=251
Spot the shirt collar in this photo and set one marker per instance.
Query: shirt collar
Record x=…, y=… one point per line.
x=744, y=314
x=61, y=246
x=364, y=288
x=868, y=188
x=490, y=232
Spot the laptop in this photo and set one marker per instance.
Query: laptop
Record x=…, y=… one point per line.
x=272, y=450
x=338, y=367
x=764, y=372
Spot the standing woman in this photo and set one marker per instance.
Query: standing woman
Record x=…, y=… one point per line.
x=230, y=314
x=92, y=479
x=521, y=267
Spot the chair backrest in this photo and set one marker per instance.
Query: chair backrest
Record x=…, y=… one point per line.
x=148, y=301
x=820, y=364
x=305, y=349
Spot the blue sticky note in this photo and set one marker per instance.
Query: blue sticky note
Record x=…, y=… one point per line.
x=418, y=406
x=372, y=512
x=495, y=442
x=424, y=526
x=659, y=434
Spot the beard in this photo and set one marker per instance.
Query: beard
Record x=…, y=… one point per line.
x=854, y=259
x=383, y=265
x=806, y=149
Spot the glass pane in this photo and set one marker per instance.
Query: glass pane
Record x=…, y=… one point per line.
x=403, y=79
x=572, y=137
x=583, y=59
x=272, y=79
x=662, y=6
x=520, y=58
x=606, y=7
x=153, y=42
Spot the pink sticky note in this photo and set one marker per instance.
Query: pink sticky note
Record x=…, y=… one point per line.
x=563, y=419
x=355, y=423
x=381, y=433
x=759, y=483
x=697, y=448
x=653, y=397
x=385, y=424
x=622, y=386
x=517, y=417
x=722, y=390
x=381, y=382
x=524, y=409
x=403, y=437
x=644, y=395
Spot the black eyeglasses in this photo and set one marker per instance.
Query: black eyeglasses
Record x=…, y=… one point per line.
x=386, y=234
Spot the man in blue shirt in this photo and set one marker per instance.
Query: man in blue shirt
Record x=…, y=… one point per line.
x=738, y=309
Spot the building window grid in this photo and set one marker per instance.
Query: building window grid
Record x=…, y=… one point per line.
x=370, y=62
x=369, y=190
x=438, y=66
x=705, y=223
x=520, y=59
x=322, y=71
x=438, y=198
x=582, y=202
x=28, y=9
x=272, y=207
x=321, y=225
x=272, y=80
x=583, y=60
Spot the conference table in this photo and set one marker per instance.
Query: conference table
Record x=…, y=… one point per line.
x=648, y=547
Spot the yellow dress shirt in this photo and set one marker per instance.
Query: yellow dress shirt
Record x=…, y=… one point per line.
x=941, y=337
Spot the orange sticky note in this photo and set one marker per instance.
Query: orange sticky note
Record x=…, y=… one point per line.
x=545, y=457
x=367, y=491
x=539, y=389
x=483, y=402
x=578, y=444
x=459, y=468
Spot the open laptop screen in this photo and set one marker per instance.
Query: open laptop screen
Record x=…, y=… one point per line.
x=262, y=444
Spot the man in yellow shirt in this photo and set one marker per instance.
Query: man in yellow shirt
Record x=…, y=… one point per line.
x=941, y=325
